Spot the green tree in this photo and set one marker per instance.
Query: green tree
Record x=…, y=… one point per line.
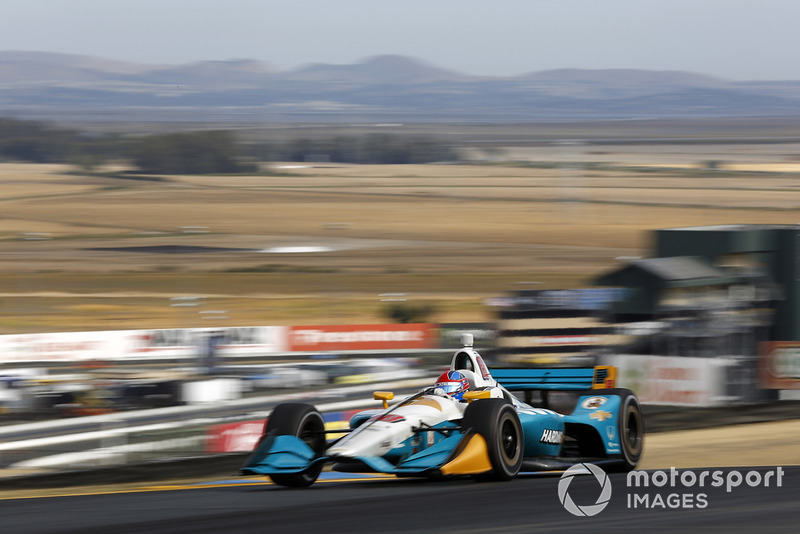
x=189, y=153
x=403, y=312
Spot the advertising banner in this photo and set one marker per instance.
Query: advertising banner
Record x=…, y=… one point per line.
x=61, y=347
x=118, y=345
x=234, y=437
x=680, y=381
x=780, y=365
x=361, y=337
x=244, y=436
x=190, y=342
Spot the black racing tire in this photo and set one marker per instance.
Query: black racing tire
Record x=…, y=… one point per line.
x=630, y=427
x=305, y=422
x=498, y=423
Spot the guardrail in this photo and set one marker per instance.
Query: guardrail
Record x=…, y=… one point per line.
x=164, y=433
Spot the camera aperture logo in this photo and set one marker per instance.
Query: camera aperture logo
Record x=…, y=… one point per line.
x=586, y=510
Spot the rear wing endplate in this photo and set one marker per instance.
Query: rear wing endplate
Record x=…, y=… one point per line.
x=555, y=379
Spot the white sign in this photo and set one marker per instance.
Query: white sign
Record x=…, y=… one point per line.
x=680, y=381
x=142, y=344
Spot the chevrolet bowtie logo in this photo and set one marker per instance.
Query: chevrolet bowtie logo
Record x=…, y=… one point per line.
x=600, y=415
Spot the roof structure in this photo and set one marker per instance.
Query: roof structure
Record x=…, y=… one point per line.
x=678, y=271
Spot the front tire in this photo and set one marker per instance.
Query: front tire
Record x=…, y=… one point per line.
x=305, y=422
x=498, y=423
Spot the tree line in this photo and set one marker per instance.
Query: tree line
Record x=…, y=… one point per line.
x=206, y=152
x=375, y=148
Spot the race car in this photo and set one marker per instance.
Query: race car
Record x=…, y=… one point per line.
x=468, y=423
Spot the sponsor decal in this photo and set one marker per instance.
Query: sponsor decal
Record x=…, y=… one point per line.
x=612, y=445
x=601, y=415
x=425, y=402
x=592, y=403
x=484, y=370
x=387, y=418
x=553, y=437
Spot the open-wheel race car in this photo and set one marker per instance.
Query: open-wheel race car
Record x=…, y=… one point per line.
x=468, y=423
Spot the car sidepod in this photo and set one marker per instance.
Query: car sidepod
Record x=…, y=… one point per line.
x=489, y=444
x=544, y=432
x=607, y=424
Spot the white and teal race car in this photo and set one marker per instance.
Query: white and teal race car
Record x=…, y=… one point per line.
x=468, y=423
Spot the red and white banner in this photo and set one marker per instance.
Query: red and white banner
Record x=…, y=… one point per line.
x=116, y=345
x=361, y=337
x=780, y=365
x=680, y=381
x=234, y=437
x=244, y=436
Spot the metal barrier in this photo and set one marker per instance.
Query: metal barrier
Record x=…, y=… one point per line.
x=158, y=434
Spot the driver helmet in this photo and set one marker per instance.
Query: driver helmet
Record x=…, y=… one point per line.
x=453, y=383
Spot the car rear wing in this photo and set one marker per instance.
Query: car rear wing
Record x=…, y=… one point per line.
x=560, y=379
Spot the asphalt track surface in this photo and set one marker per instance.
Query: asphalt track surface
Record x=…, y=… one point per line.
x=529, y=503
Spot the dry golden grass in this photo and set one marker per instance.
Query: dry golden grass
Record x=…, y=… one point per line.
x=733, y=446
x=450, y=235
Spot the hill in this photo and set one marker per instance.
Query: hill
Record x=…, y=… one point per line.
x=382, y=88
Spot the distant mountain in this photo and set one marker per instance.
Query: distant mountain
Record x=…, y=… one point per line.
x=64, y=87
x=18, y=68
x=628, y=76
x=210, y=75
x=617, y=83
x=377, y=70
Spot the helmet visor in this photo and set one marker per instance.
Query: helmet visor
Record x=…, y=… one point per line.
x=450, y=387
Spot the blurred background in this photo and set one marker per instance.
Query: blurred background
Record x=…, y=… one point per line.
x=187, y=239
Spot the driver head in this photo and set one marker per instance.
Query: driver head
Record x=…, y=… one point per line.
x=453, y=383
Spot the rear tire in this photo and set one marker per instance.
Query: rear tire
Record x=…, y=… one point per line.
x=631, y=429
x=498, y=423
x=305, y=422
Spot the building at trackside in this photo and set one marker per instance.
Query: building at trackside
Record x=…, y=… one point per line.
x=729, y=294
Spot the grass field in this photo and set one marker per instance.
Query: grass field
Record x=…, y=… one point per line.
x=321, y=244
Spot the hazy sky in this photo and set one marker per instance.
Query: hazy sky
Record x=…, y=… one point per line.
x=734, y=39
